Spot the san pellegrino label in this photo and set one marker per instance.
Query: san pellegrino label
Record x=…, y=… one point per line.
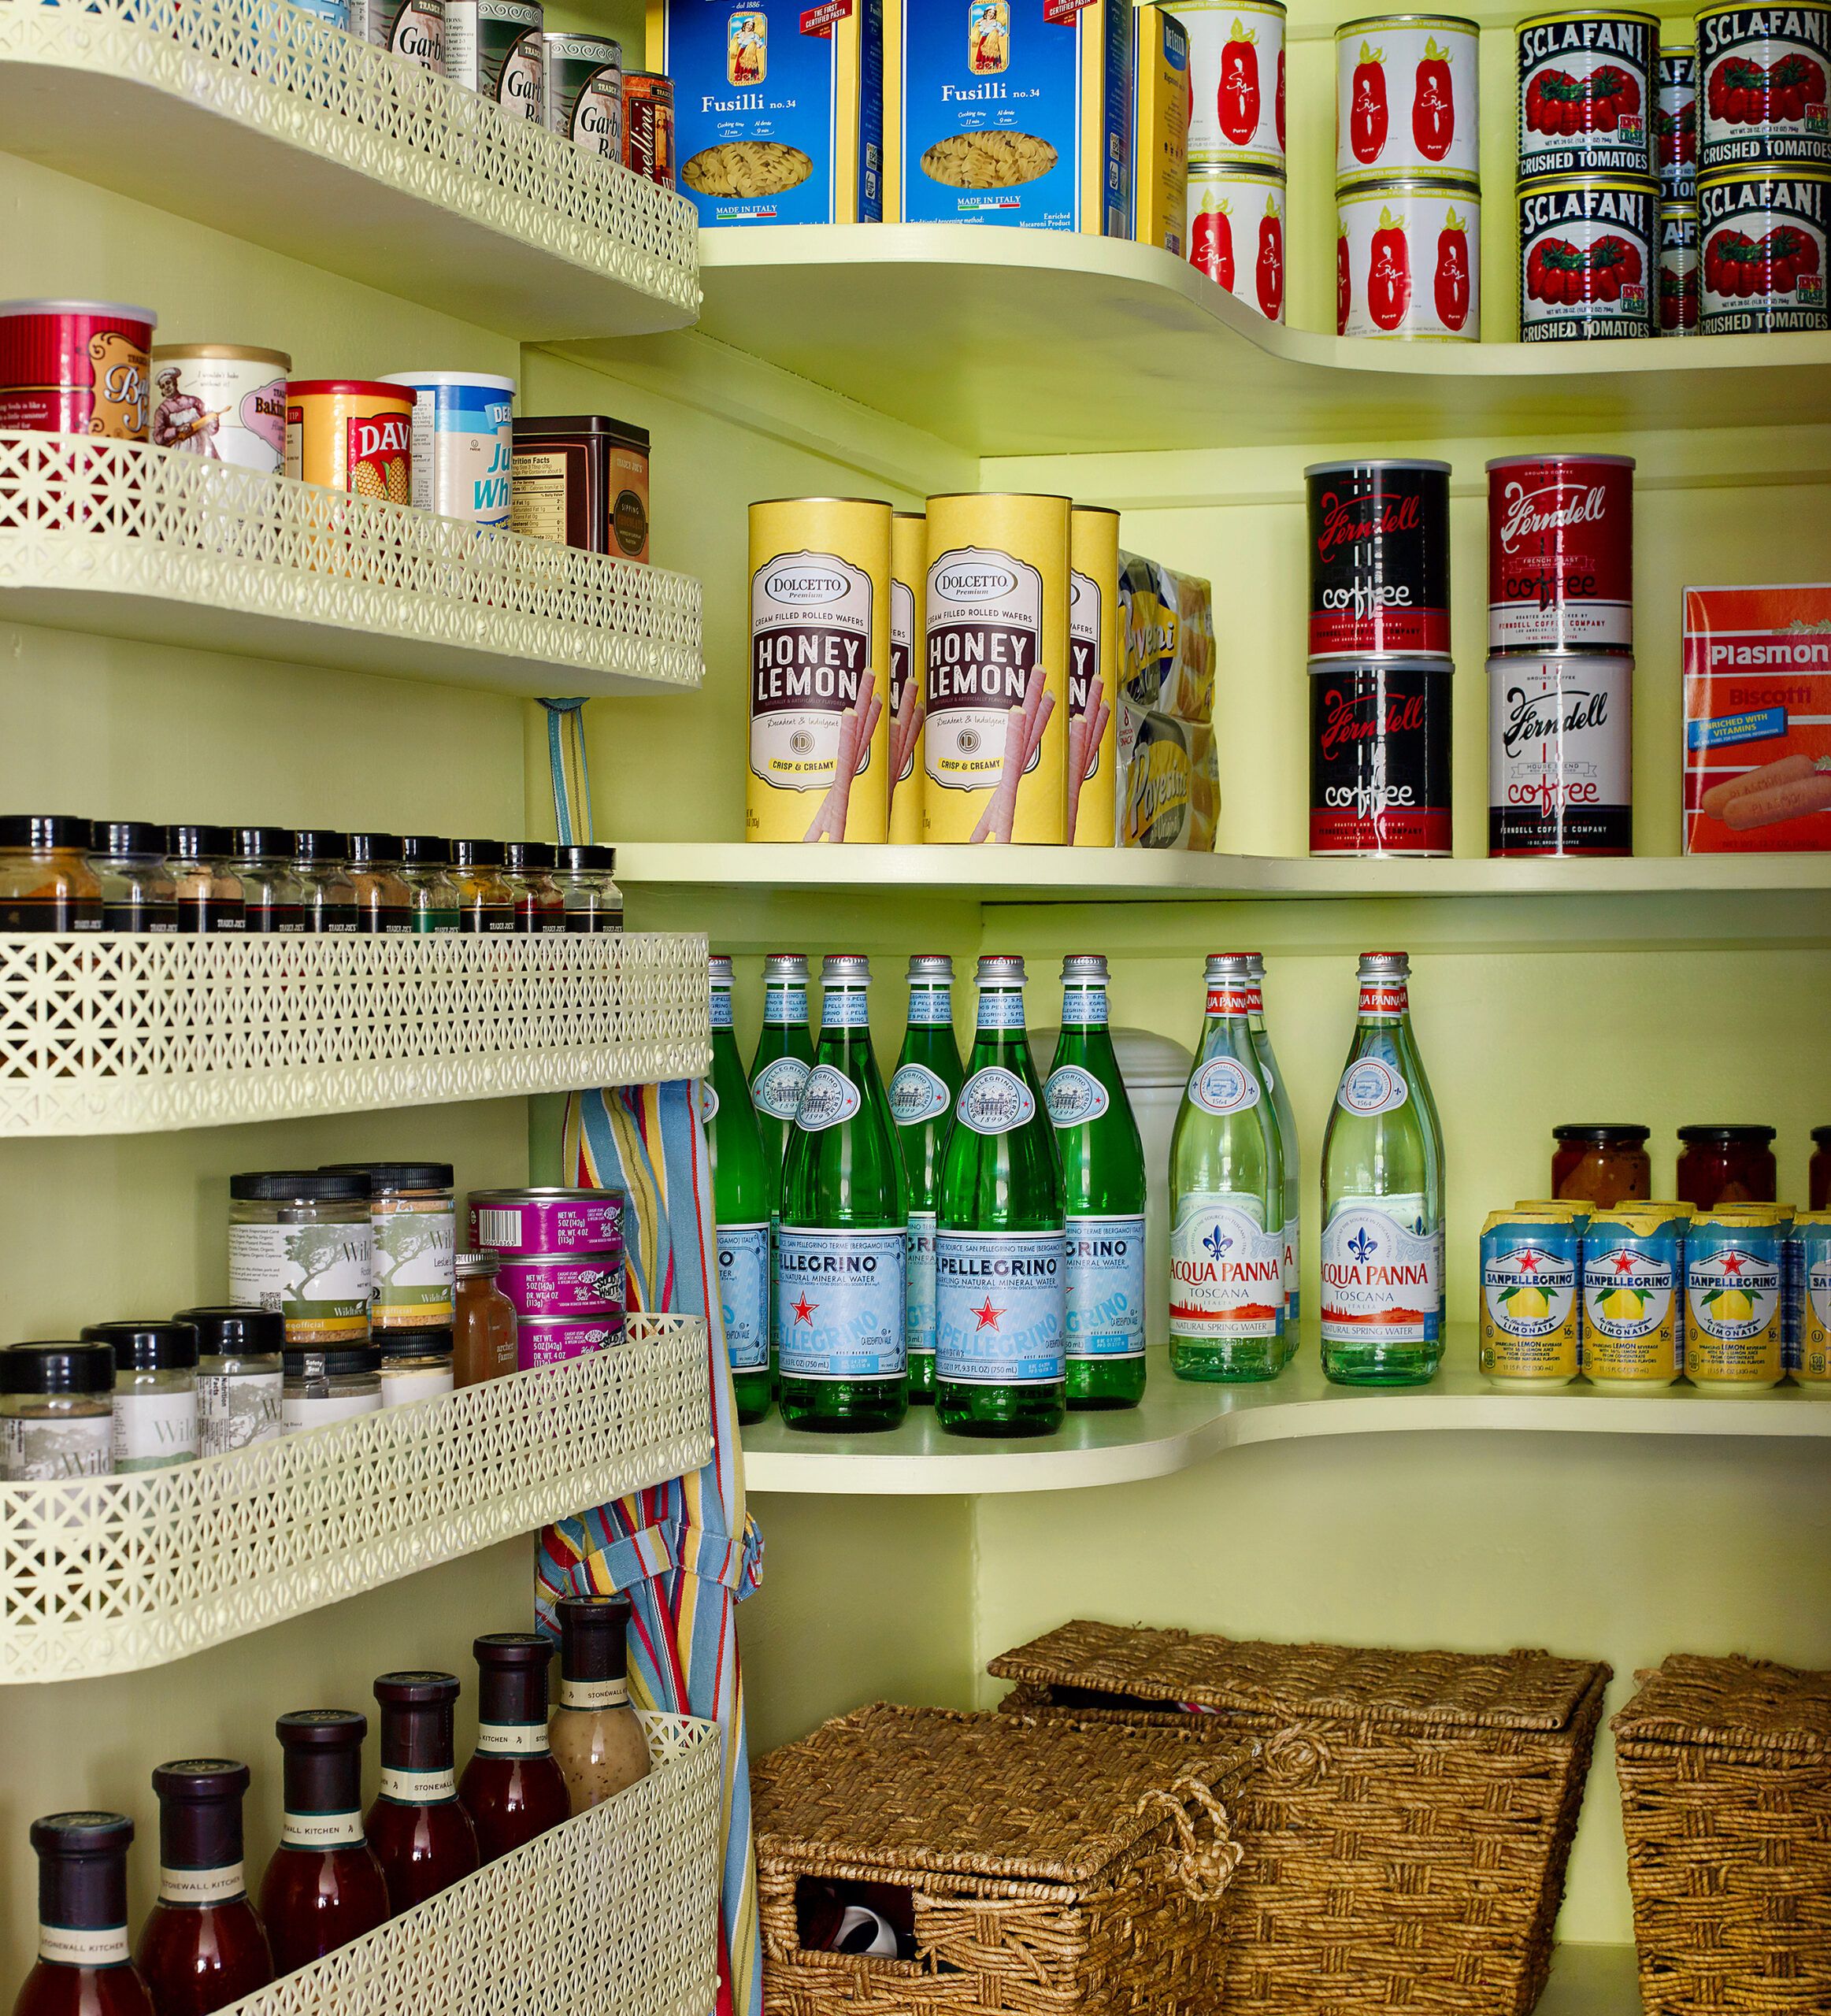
x=829, y=1099
x=918, y=1094
x=1074, y=1096
x=995, y=1101
x=840, y=1303
x=918, y=1284
x=1000, y=1313
x=743, y=1294
x=776, y=1089
x=922, y=1093
x=742, y=1192
x=1105, y=1254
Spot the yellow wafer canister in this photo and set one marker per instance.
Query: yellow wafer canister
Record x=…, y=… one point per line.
x=820, y=670
x=995, y=669
x=909, y=567
x=1094, y=649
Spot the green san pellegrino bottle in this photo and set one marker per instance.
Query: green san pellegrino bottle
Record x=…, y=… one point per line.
x=1000, y=1272
x=1103, y=1192
x=845, y=1217
x=1227, y=1188
x=922, y=1093
x=1289, y=1152
x=783, y=1057
x=1382, y=1198
x=741, y=1192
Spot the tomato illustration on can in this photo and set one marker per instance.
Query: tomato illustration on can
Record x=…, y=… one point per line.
x=1763, y=235
x=1367, y=116
x=1452, y=272
x=1588, y=253
x=1406, y=99
x=1269, y=273
x=1433, y=103
x=1764, y=76
x=1237, y=102
x=1389, y=273
x=1408, y=260
x=1236, y=81
x=1211, y=243
x=1278, y=100
x=1586, y=93
x=1344, y=283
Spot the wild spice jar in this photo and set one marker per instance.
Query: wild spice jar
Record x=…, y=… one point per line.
x=413, y=1212
x=300, y=1242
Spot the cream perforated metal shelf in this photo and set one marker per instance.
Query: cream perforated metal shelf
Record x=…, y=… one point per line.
x=105, y=1033
x=264, y=121
x=615, y=1913
x=131, y=541
x=110, y=1575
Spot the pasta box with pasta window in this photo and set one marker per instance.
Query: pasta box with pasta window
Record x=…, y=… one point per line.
x=778, y=109
x=1014, y=111
x=1758, y=720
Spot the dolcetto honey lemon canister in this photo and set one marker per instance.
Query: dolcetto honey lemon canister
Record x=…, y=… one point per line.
x=908, y=564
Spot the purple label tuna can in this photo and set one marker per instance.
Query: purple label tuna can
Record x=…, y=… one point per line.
x=569, y=1284
x=528, y=1224
x=541, y=1340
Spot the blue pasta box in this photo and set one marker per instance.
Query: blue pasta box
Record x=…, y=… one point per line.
x=778, y=110
x=1015, y=112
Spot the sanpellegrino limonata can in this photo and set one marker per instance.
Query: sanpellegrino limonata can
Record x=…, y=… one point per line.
x=778, y=1071
x=1288, y=1149
x=741, y=1193
x=999, y=1268
x=845, y=1213
x=1226, y=1187
x=1103, y=1193
x=922, y=1092
x=1383, y=1198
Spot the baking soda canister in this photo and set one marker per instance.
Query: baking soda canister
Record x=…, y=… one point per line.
x=820, y=670
x=1379, y=557
x=1560, y=753
x=995, y=662
x=1408, y=261
x=1095, y=654
x=1531, y=1299
x=222, y=402
x=909, y=567
x=1379, y=756
x=75, y=367
x=1763, y=251
x=1675, y=125
x=1236, y=232
x=1586, y=93
x=1764, y=74
x=583, y=91
x=527, y=1224
x=1681, y=279
x=1813, y=1367
x=351, y=434
x=1406, y=98
x=493, y=47
x=1560, y=553
x=463, y=443
x=1734, y=1302
x=1236, y=80
x=1588, y=253
x=1633, y=1299
x=565, y=1285
x=648, y=126
x=411, y=28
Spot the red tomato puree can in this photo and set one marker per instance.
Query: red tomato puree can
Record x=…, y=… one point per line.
x=75, y=367
x=1379, y=756
x=1406, y=98
x=1408, y=260
x=1560, y=553
x=1379, y=558
x=1236, y=232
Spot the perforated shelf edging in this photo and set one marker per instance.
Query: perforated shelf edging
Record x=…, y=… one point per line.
x=259, y=119
x=615, y=1913
x=104, y=1033
x=111, y=1575
x=165, y=547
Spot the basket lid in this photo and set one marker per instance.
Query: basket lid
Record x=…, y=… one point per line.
x=1518, y=1690
x=1043, y=1799
x=1730, y=1704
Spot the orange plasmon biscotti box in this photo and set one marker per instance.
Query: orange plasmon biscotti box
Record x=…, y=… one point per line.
x=1758, y=720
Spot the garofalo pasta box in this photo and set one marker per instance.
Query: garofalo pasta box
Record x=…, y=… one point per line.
x=778, y=110
x=1009, y=112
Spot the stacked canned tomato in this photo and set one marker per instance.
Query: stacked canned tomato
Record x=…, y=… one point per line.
x=1675, y=307
x=1236, y=147
x=1407, y=185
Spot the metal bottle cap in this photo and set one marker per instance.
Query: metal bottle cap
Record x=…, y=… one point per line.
x=1255, y=965
x=785, y=966
x=930, y=966
x=844, y=969
x=1231, y=966
x=1001, y=970
x=1385, y=965
x=1085, y=965
x=719, y=965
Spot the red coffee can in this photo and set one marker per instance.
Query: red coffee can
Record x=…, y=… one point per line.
x=1379, y=756
x=75, y=367
x=1379, y=558
x=1560, y=553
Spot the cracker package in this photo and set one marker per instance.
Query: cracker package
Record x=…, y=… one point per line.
x=1160, y=131
x=1168, y=776
x=778, y=110
x=1009, y=112
x=1169, y=638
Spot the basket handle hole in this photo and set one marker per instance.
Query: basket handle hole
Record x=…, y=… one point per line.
x=835, y=1915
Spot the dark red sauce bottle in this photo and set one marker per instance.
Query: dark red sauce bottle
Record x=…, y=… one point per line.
x=512, y=1788
x=84, y=1968
x=323, y=1887
x=201, y=1947
x=421, y=1836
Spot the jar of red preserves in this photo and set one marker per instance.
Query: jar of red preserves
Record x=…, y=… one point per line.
x=1726, y=1166
x=1818, y=1170
x=1605, y=1163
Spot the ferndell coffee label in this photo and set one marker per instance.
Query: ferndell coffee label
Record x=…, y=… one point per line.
x=984, y=639
x=810, y=646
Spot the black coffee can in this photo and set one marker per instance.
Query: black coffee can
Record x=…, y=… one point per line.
x=1379, y=756
x=1379, y=558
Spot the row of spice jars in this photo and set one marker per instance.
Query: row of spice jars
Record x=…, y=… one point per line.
x=63, y=874
x=1607, y=1163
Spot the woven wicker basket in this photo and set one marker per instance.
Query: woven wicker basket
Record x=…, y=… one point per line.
x=1052, y=1867
x=1408, y=1829
x=1725, y=1774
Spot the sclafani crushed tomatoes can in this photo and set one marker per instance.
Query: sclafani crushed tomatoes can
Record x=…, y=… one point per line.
x=1379, y=756
x=1406, y=98
x=1675, y=125
x=1764, y=74
x=75, y=367
x=1236, y=232
x=1762, y=249
x=1586, y=93
x=1560, y=553
x=352, y=434
x=1678, y=306
x=1236, y=80
x=1379, y=558
x=1408, y=261
x=1588, y=254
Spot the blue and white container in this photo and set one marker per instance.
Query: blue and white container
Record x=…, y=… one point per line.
x=336, y=14
x=463, y=444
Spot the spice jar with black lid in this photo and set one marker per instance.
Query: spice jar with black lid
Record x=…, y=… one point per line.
x=238, y=1376
x=56, y=1411
x=45, y=881
x=327, y=896
x=416, y=1365
x=271, y=898
x=127, y=856
x=209, y=897
x=527, y=869
x=412, y=1216
x=155, y=1392
x=593, y=901
x=426, y=869
x=326, y=1386
x=485, y=902
x=300, y=1242
x=384, y=904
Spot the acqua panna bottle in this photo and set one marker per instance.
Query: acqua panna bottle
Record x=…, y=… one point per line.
x=922, y=1092
x=1289, y=1152
x=742, y=1193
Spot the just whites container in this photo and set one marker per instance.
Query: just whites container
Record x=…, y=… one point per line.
x=1407, y=99
x=463, y=443
x=1408, y=261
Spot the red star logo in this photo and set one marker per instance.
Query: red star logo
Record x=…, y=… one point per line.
x=804, y=1311
x=987, y=1315
x=1732, y=1264
x=1529, y=1261
x=1624, y=1263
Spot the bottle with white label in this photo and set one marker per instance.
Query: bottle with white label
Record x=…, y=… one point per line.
x=1383, y=1198
x=1288, y=1150
x=512, y=1788
x=1227, y=1190
x=84, y=1967
x=845, y=1208
x=922, y=1093
x=1000, y=1268
x=1103, y=1187
x=324, y=1886
x=421, y=1835
x=742, y=1195
x=596, y=1737
x=784, y=1056
x=203, y=1946
x=155, y=1392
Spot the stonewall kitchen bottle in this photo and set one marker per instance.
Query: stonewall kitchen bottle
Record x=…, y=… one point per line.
x=921, y=1102
x=1000, y=1319
x=324, y=1886
x=201, y=1947
x=845, y=1212
x=1288, y=1150
x=1383, y=1198
x=421, y=1836
x=741, y=1196
x=1226, y=1187
x=512, y=1788
x=84, y=1967
x=784, y=1056
x=1103, y=1186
